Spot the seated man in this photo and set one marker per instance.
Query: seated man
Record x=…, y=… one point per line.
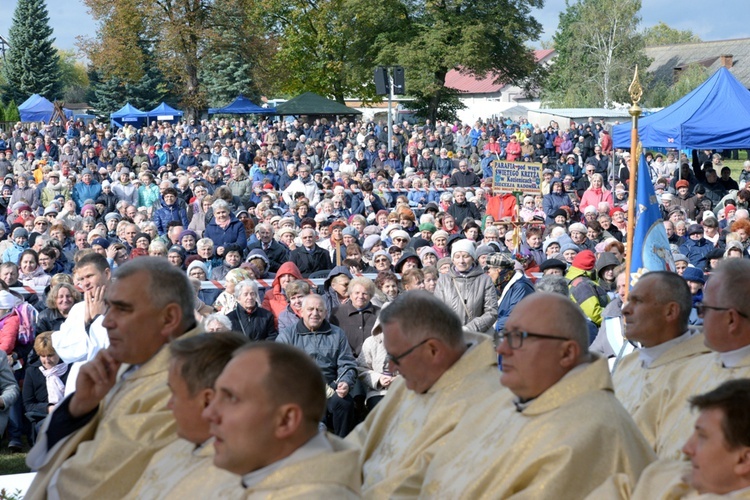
x=99, y=440
x=719, y=453
x=440, y=374
x=264, y=418
x=185, y=469
x=328, y=346
x=656, y=316
x=561, y=436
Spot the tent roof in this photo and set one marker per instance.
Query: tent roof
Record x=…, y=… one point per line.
x=240, y=106
x=128, y=111
x=313, y=104
x=713, y=116
x=164, y=109
x=38, y=109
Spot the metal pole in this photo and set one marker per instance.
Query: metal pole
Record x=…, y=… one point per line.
x=390, y=116
x=635, y=111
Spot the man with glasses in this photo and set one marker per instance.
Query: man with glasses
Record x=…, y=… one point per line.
x=726, y=326
x=309, y=257
x=440, y=372
x=560, y=433
x=656, y=316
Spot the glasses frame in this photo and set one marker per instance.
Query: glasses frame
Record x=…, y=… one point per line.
x=396, y=360
x=520, y=335
x=700, y=308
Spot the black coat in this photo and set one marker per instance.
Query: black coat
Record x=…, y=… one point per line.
x=35, y=398
x=258, y=325
x=460, y=211
x=49, y=320
x=357, y=325
x=277, y=253
x=309, y=262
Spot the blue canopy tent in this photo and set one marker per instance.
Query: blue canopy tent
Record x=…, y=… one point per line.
x=241, y=106
x=165, y=113
x=128, y=114
x=713, y=116
x=38, y=109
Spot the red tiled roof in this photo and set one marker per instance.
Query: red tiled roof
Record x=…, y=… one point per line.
x=472, y=85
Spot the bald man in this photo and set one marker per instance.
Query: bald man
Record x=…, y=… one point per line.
x=560, y=435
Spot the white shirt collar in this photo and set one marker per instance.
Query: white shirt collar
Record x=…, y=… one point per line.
x=732, y=359
x=648, y=355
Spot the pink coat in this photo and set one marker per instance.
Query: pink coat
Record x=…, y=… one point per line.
x=594, y=197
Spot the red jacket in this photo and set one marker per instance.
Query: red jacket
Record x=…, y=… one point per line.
x=275, y=301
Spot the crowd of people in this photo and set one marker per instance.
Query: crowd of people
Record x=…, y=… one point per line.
x=375, y=289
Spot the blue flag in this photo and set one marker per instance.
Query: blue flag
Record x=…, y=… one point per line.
x=651, y=250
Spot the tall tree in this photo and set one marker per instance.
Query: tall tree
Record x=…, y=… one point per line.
x=663, y=34
x=73, y=77
x=600, y=46
x=479, y=37
x=662, y=93
x=32, y=63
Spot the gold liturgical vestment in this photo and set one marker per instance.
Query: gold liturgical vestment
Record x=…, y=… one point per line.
x=675, y=421
x=641, y=390
x=325, y=476
x=105, y=458
x=562, y=445
x=405, y=429
x=182, y=470
x=662, y=480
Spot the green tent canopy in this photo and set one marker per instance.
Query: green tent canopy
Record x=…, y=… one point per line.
x=310, y=103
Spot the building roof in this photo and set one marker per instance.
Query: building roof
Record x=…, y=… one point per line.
x=668, y=59
x=470, y=84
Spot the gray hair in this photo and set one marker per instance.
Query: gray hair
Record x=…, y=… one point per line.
x=553, y=284
x=252, y=284
x=220, y=204
x=222, y=319
x=364, y=282
x=204, y=243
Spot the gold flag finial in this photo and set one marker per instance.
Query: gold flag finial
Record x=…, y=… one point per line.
x=635, y=89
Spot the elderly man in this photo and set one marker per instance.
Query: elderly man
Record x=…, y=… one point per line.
x=328, y=346
x=98, y=441
x=560, y=434
x=309, y=257
x=726, y=326
x=440, y=374
x=656, y=315
x=276, y=252
x=463, y=177
x=718, y=451
x=461, y=209
x=185, y=469
x=264, y=418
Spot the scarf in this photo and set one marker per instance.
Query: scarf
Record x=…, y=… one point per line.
x=55, y=386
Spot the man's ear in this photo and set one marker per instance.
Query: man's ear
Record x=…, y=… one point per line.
x=742, y=467
x=288, y=419
x=571, y=353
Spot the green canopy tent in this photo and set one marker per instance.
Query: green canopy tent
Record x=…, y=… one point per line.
x=310, y=103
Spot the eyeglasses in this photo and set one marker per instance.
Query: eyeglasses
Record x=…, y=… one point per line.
x=701, y=308
x=399, y=239
x=396, y=360
x=378, y=261
x=515, y=338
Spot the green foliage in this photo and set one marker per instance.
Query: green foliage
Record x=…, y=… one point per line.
x=73, y=76
x=11, y=112
x=662, y=94
x=662, y=34
x=225, y=76
x=448, y=105
x=32, y=63
x=598, y=46
x=107, y=96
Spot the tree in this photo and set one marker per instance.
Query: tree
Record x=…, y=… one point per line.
x=599, y=46
x=476, y=36
x=662, y=34
x=11, y=112
x=32, y=63
x=662, y=94
x=73, y=77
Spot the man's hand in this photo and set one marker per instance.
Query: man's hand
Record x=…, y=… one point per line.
x=94, y=381
x=342, y=389
x=111, y=252
x=95, y=304
x=385, y=380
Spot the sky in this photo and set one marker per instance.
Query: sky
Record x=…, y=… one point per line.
x=717, y=20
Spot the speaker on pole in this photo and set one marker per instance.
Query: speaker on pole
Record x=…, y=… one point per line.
x=381, y=81
x=398, y=80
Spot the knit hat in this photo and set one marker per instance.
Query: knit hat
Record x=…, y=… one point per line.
x=381, y=253
x=351, y=231
x=400, y=233
x=7, y=300
x=464, y=245
x=443, y=261
x=112, y=216
x=88, y=207
x=569, y=246
x=144, y=235
x=694, y=274
x=439, y=234
x=285, y=230
x=484, y=250
x=428, y=227
x=371, y=241
x=198, y=264
x=20, y=232
x=678, y=257
x=178, y=250
x=548, y=242
x=577, y=227
x=606, y=259
x=560, y=213
x=50, y=210
x=694, y=229
x=585, y=260
x=188, y=232
x=425, y=250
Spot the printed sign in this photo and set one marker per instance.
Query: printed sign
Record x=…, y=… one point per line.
x=521, y=176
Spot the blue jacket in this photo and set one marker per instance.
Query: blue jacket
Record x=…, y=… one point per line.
x=696, y=251
x=328, y=347
x=83, y=192
x=552, y=202
x=519, y=287
x=234, y=233
x=168, y=213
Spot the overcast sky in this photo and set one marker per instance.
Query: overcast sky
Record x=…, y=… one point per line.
x=717, y=20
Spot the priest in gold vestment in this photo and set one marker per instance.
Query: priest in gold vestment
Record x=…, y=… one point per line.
x=265, y=420
x=562, y=434
x=442, y=375
x=99, y=440
x=718, y=450
x=184, y=469
x=726, y=326
x=656, y=314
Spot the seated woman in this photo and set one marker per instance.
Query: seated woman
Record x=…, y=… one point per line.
x=30, y=274
x=44, y=385
x=248, y=317
x=296, y=291
x=60, y=300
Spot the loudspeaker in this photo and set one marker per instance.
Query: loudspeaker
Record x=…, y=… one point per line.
x=381, y=81
x=398, y=81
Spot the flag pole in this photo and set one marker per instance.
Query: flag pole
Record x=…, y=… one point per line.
x=636, y=92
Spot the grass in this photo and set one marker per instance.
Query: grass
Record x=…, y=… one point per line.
x=12, y=463
x=736, y=165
